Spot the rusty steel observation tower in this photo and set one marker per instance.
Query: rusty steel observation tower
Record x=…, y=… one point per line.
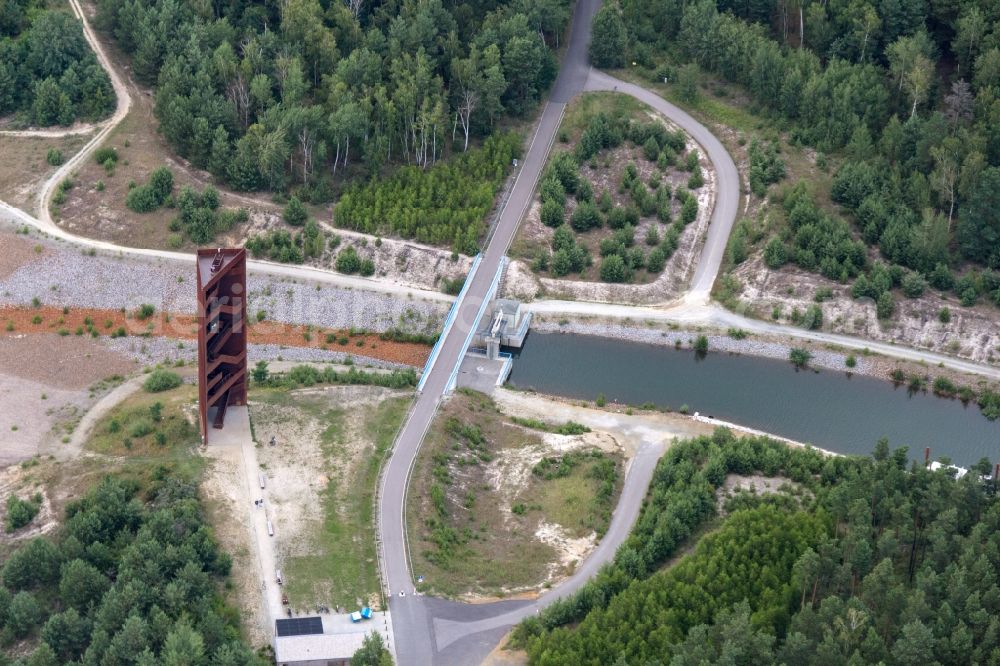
x=222, y=337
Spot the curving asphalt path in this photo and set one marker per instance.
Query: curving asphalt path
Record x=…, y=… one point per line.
x=727, y=188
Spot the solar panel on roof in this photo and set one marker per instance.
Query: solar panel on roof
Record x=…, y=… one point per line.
x=299, y=626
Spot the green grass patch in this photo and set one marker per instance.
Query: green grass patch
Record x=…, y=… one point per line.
x=148, y=425
x=342, y=566
x=577, y=490
x=585, y=107
x=469, y=537
x=567, y=428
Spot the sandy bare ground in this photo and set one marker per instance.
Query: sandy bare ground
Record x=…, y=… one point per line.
x=295, y=472
x=31, y=424
x=23, y=482
x=25, y=167
x=504, y=656
x=755, y=483
x=630, y=430
x=17, y=251
x=972, y=333
x=66, y=362
x=45, y=385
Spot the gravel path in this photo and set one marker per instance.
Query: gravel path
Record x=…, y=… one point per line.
x=168, y=351
x=821, y=358
x=67, y=277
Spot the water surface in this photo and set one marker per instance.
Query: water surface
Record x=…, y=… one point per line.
x=830, y=409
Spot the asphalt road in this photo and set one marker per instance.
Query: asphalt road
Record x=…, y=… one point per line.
x=437, y=631
x=415, y=617
x=727, y=187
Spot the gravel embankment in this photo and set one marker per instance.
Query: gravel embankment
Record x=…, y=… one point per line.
x=150, y=351
x=821, y=358
x=66, y=277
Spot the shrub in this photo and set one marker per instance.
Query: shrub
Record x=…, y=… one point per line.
x=605, y=203
x=944, y=315
x=452, y=286
x=161, y=181
x=813, y=318
x=210, y=197
x=153, y=194
x=651, y=149
x=614, y=269
x=823, y=294
x=295, y=212
x=885, y=305
x=348, y=260
x=689, y=210
x=367, y=268
x=765, y=167
x=144, y=312
x=21, y=512
x=656, y=260
x=691, y=160
x=142, y=200
x=701, y=345
x=620, y=216
x=276, y=244
x=552, y=190
x=775, y=253
x=54, y=157
x=944, y=386
x=161, y=380
x=914, y=285
x=141, y=428
x=696, y=180
x=106, y=154
x=566, y=170
x=941, y=278
x=799, y=357
x=552, y=213
x=850, y=361
x=585, y=217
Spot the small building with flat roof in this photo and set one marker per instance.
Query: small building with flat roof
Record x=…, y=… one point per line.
x=325, y=640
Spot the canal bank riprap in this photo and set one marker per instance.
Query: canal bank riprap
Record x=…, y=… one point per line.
x=752, y=345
